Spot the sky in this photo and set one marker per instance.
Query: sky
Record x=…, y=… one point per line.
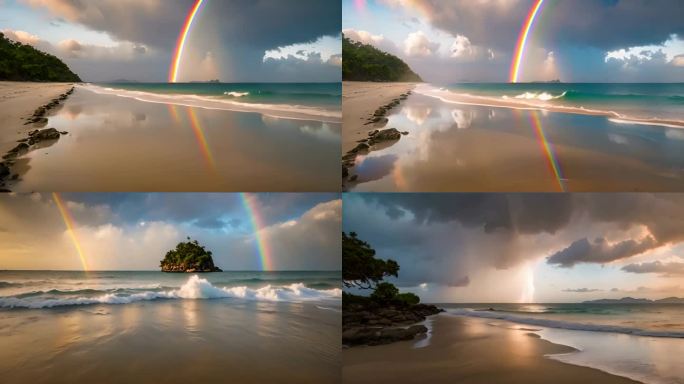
x=231, y=40
x=448, y=41
x=526, y=247
x=133, y=231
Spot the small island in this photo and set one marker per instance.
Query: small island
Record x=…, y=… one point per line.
x=363, y=62
x=188, y=257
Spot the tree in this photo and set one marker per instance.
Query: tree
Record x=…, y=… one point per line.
x=384, y=292
x=22, y=62
x=362, y=62
x=360, y=268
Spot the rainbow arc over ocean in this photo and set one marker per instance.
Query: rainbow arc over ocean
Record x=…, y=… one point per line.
x=182, y=37
x=519, y=53
x=71, y=228
x=263, y=248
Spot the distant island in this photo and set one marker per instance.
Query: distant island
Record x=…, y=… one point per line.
x=631, y=300
x=215, y=81
x=22, y=62
x=190, y=257
x=363, y=62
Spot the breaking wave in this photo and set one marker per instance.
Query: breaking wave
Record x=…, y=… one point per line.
x=194, y=288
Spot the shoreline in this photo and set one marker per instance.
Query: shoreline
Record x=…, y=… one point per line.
x=26, y=106
x=468, y=350
x=276, y=111
x=484, y=101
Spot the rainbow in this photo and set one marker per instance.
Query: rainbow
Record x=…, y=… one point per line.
x=263, y=248
x=548, y=151
x=70, y=224
x=522, y=41
x=201, y=139
x=180, y=43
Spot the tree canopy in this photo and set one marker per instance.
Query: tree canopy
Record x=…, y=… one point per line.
x=22, y=62
x=360, y=268
x=362, y=62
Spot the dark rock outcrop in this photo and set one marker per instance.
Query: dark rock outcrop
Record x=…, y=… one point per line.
x=369, y=324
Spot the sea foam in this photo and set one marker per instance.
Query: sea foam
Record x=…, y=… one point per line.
x=194, y=288
x=285, y=111
x=563, y=324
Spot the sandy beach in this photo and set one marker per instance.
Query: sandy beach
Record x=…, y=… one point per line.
x=359, y=101
x=468, y=350
x=18, y=100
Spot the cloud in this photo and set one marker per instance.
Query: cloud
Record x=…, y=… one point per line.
x=678, y=61
x=21, y=36
x=363, y=37
x=461, y=47
x=418, y=44
x=582, y=290
x=600, y=251
x=134, y=231
x=664, y=269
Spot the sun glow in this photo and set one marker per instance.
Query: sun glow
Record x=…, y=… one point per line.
x=528, y=285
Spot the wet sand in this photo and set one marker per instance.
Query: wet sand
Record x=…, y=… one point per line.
x=465, y=350
x=174, y=341
x=18, y=100
x=359, y=101
x=463, y=148
x=121, y=144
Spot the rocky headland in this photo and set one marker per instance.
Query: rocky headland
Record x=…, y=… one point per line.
x=370, y=324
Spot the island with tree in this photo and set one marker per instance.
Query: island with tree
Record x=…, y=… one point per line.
x=22, y=62
x=363, y=62
x=190, y=257
x=385, y=315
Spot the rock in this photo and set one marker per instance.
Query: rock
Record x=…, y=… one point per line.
x=373, y=132
x=20, y=148
x=46, y=134
x=385, y=135
x=361, y=147
x=405, y=133
x=4, y=170
x=66, y=133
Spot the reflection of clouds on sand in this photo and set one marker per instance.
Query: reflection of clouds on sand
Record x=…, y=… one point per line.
x=417, y=113
x=617, y=139
x=375, y=168
x=72, y=111
x=463, y=118
x=676, y=134
x=318, y=129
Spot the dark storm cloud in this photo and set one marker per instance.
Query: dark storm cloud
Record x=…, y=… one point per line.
x=446, y=238
x=527, y=213
x=666, y=269
x=600, y=251
x=598, y=23
x=262, y=23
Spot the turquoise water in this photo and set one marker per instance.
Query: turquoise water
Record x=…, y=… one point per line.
x=50, y=289
x=658, y=320
x=326, y=95
x=645, y=100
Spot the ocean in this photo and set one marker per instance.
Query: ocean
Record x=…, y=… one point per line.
x=636, y=100
x=110, y=327
x=48, y=289
x=644, y=342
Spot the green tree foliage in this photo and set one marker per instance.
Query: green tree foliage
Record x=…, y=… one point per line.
x=384, y=292
x=362, y=62
x=22, y=62
x=188, y=255
x=407, y=298
x=360, y=268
